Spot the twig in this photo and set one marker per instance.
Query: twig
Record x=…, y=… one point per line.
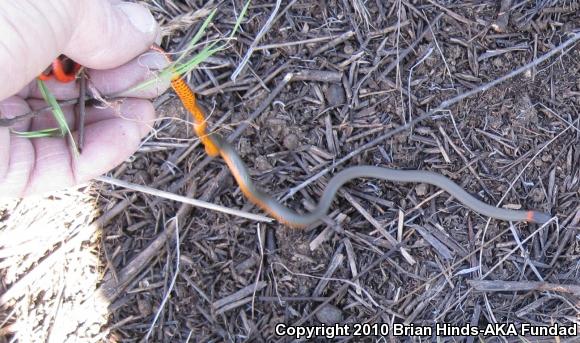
x=503, y=16
x=514, y=286
x=82, y=109
x=445, y=104
x=318, y=75
x=453, y=14
x=242, y=293
x=259, y=36
x=186, y=200
x=300, y=42
x=6, y=122
x=171, y=285
x=343, y=37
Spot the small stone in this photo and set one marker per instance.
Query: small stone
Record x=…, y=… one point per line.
x=421, y=189
x=291, y=142
x=335, y=95
x=144, y=306
x=262, y=163
x=245, y=147
x=142, y=177
x=275, y=126
x=537, y=195
x=348, y=49
x=526, y=112
x=329, y=315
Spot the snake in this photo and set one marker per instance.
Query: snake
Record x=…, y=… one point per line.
x=62, y=69
x=215, y=145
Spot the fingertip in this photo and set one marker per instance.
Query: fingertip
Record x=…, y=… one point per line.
x=52, y=166
x=109, y=35
x=122, y=81
x=60, y=90
x=140, y=17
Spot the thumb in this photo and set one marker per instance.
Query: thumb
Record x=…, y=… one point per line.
x=95, y=33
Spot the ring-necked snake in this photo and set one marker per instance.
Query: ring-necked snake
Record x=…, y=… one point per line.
x=63, y=69
x=215, y=145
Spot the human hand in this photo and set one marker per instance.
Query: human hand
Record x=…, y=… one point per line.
x=105, y=36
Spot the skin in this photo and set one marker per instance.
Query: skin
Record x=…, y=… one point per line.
x=111, y=39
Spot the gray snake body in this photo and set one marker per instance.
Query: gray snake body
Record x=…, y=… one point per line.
x=291, y=218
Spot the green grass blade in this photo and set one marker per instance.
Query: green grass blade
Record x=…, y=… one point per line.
x=240, y=18
x=198, y=35
x=56, y=109
x=203, y=55
x=181, y=68
x=58, y=114
x=52, y=132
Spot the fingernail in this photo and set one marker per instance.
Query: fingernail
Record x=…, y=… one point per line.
x=139, y=16
x=153, y=60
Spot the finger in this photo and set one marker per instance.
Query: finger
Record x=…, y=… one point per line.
x=139, y=112
x=96, y=33
x=19, y=164
x=122, y=81
x=110, y=35
x=50, y=166
x=15, y=153
x=4, y=151
x=11, y=108
x=125, y=109
x=45, y=119
x=108, y=143
x=46, y=164
x=119, y=81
